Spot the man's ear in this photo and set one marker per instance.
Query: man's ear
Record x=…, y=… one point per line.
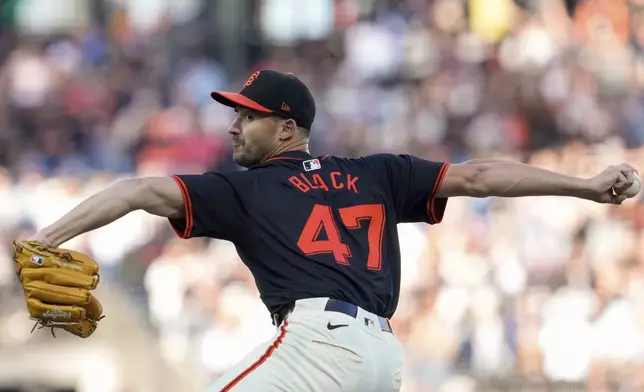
x=288, y=130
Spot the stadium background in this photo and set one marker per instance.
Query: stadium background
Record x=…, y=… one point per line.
x=539, y=294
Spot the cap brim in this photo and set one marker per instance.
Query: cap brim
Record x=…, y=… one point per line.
x=234, y=99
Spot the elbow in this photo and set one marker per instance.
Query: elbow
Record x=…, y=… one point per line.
x=486, y=179
x=476, y=183
x=132, y=191
x=469, y=179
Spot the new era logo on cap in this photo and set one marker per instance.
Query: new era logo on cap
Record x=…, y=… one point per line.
x=268, y=91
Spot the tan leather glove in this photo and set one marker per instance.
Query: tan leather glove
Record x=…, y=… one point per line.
x=57, y=284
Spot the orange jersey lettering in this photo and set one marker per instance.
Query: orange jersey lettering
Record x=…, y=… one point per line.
x=339, y=181
x=351, y=183
x=299, y=184
x=335, y=183
x=317, y=180
x=306, y=180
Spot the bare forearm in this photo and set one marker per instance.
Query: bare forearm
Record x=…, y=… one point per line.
x=514, y=179
x=156, y=195
x=99, y=210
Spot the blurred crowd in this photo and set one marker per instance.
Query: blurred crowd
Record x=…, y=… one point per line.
x=504, y=295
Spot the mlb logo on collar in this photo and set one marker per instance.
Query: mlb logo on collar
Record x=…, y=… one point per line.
x=312, y=164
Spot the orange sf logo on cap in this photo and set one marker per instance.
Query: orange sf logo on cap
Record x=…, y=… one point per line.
x=251, y=79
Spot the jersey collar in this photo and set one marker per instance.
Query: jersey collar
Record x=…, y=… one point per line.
x=291, y=156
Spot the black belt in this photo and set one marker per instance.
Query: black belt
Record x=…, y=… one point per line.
x=333, y=305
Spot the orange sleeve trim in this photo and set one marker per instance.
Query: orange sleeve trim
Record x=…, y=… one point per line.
x=431, y=202
x=260, y=361
x=187, y=202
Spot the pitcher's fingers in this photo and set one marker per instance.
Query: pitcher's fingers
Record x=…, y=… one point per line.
x=618, y=199
x=625, y=168
x=622, y=183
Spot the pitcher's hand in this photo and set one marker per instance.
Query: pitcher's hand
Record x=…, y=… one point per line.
x=608, y=186
x=40, y=236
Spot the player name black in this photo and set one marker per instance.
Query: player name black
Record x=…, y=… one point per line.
x=336, y=180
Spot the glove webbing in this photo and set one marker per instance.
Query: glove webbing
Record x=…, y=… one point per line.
x=56, y=324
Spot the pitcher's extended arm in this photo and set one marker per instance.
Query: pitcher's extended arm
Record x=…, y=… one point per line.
x=156, y=195
x=514, y=179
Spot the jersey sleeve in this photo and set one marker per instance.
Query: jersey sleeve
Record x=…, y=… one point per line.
x=213, y=207
x=414, y=183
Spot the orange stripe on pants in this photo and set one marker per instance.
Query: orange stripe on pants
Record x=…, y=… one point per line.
x=261, y=359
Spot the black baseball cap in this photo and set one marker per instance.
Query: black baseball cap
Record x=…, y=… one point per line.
x=269, y=91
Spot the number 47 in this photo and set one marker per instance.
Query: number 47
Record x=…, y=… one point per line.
x=352, y=217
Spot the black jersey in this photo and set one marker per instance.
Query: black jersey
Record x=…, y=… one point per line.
x=317, y=227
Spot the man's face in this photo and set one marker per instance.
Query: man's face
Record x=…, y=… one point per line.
x=254, y=136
